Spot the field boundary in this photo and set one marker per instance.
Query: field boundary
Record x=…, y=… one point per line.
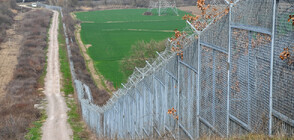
x=112, y=37
x=100, y=81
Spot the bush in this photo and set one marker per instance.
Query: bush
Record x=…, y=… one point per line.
x=6, y=17
x=17, y=108
x=140, y=52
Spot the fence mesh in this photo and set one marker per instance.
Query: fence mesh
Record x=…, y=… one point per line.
x=187, y=97
x=206, y=85
x=283, y=76
x=219, y=32
x=256, y=13
x=230, y=81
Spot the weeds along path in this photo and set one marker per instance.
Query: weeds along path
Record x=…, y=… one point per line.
x=56, y=126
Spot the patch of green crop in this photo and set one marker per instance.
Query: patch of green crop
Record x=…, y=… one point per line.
x=112, y=33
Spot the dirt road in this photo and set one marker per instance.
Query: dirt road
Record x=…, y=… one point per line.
x=56, y=126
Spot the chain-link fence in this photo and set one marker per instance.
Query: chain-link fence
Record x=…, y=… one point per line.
x=230, y=81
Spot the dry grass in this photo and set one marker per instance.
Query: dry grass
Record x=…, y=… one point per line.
x=6, y=17
x=9, y=50
x=17, y=108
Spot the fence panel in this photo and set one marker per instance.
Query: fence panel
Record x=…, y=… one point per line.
x=213, y=100
x=283, y=76
x=250, y=68
x=187, y=108
x=260, y=96
x=214, y=76
x=171, y=95
x=160, y=110
x=253, y=13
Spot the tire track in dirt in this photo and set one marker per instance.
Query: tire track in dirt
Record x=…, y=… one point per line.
x=56, y=126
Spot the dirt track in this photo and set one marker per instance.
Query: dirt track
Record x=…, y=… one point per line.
x=56, y=126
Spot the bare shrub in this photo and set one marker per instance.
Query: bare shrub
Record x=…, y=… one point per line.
x=141, y=52
x=6, y=16
x=17, y=108
x=147, y=13
x=4, y=19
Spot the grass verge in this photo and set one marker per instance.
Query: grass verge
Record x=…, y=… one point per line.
x=74, y=118
x=35, y=132
x=75, y=121
x=67, y=87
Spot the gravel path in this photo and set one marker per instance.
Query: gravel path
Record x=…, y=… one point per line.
x=56, y=126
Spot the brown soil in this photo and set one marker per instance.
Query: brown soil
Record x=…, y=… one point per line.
x=9, y=51
x=103, y=7
x=98, y=78
x=196, y=11
x=85, y=8
x=191, y=9
x=88, y=45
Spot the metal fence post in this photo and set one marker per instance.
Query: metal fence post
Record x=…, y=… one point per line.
x=249, y=81
x=229, y=67
x=198, y=89
x=164, y=103
x=127, y=117
x=213, y=88
x=272, y=70
x=154, y=103
x=144, y=107
x=178, y=98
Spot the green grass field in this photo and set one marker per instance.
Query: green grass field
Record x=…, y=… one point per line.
x=112, y=33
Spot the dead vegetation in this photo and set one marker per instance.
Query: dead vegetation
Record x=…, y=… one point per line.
x=9, y=51
x=7, y=12
x=17, y=107
x=99, y=96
